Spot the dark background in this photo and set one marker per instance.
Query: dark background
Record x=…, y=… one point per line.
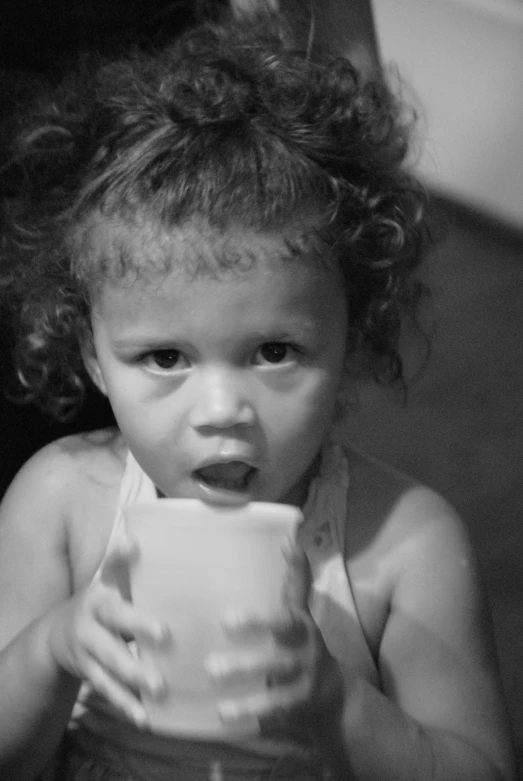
x=41, y=34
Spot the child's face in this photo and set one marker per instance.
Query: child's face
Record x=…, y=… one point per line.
x=224, y=383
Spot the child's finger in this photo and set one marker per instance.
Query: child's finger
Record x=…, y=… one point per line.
x=243, y=625
x=267, y=704
x=121, y=617
x=291, y=629
x=117, y=694
x=276, y=665
x=114, y=655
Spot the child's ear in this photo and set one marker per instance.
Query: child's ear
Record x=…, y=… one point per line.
x=91, y=364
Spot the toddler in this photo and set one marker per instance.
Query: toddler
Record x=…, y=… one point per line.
x=221, y=236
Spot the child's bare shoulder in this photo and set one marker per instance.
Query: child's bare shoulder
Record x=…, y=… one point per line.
x=67, y=492
x=64, y=467
x=55, y=523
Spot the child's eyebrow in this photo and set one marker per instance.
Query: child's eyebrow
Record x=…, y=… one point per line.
x=298, y=327
x=291, y=329
x=137, y=342
x=286, y=327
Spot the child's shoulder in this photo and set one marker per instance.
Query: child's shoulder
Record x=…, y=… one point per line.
x=68, y=475
x=68, y=463
x=64, y=500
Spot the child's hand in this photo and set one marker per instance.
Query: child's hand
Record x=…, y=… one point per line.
x=304, y=685
x=89, y=637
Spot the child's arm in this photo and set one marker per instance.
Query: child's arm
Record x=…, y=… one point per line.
x=441, y=716
x=36, y=695
x=44, y=605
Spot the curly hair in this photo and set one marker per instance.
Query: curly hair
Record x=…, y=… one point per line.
x=229, y=124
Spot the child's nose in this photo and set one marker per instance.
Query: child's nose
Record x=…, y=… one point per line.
x=221, y=400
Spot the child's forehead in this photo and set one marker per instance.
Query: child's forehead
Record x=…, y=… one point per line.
x=115, y=247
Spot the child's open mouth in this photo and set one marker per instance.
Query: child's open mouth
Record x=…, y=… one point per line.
x=229, y=476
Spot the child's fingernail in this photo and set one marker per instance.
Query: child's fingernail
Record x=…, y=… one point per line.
x=213, y=666
x=228, y=711
x=217, y=667
x=139, y=717
x=233, y=618
x=153, y=681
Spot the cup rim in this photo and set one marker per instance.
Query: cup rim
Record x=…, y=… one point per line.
x=258, y=515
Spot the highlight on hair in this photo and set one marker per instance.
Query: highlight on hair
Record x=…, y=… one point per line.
x=229, y=125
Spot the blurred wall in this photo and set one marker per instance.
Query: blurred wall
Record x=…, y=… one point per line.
x=464, y=59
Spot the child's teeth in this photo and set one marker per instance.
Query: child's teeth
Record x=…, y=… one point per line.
x=232, y=475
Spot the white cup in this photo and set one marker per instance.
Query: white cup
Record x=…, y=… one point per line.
x=196, y=562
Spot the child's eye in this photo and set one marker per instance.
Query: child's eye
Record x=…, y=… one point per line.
x=165, y=360
x=275, y=352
